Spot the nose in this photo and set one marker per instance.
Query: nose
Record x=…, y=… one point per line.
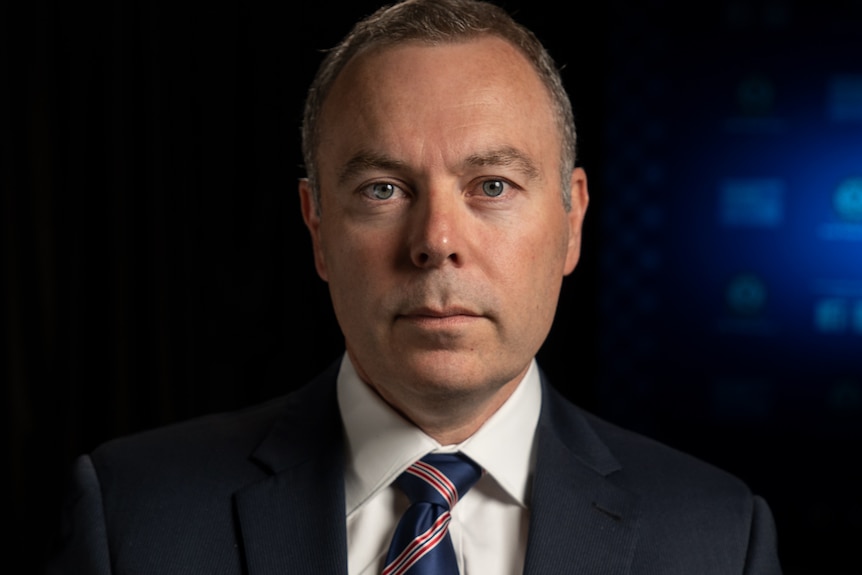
x=436, y=230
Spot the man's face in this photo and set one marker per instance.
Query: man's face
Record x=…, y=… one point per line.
x=442, y=232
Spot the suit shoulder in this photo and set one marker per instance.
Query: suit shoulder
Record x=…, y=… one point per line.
x=633, y=459
x=225, y=432
x=662, y=466
x=220, y=439
x=199, y=431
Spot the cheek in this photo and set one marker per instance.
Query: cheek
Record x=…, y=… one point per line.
x=542, y=263
x=528, y=279
x=350, y=249
x=337, y=241
x=357, y=263
x=540, y=250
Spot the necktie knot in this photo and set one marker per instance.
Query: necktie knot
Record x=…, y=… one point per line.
x=421, y=543
x=439, y=478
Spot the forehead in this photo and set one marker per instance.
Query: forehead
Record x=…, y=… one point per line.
x=474, y=54
x=418, y=92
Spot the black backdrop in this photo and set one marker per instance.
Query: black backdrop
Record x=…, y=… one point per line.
x=154, y=262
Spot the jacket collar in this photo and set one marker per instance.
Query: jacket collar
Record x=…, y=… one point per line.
x=286, y=519
x=580, y=519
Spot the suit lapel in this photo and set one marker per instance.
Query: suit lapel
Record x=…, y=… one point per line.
x=287, y=519
x=580, y=521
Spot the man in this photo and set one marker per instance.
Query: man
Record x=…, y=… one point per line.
x=445, y=209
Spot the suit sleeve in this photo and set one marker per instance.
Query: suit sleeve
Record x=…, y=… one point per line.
x=83, y=544
x=762, y=558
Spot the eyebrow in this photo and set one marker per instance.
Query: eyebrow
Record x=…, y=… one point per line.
x=364, y=161
x=506, y=156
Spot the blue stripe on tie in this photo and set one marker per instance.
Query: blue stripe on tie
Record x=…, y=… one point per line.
x=421, y=544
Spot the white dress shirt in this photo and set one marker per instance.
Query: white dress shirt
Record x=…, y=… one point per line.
x=489, y=525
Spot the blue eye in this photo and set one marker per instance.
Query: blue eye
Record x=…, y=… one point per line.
x=382, y=191
x=493, y=188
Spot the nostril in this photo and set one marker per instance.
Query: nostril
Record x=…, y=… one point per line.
x=429, y=257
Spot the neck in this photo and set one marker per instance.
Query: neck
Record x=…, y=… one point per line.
x=450, y=416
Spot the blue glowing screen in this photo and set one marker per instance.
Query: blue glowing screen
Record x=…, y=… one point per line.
x=733, y=217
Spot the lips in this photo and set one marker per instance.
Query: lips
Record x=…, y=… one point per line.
x=439, y=313
x=447, y=320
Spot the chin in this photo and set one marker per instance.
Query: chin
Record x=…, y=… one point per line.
x=454, y=372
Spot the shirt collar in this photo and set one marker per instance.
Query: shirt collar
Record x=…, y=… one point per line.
x=381, y=443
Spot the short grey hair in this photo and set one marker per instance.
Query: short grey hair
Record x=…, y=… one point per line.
x=437, y=22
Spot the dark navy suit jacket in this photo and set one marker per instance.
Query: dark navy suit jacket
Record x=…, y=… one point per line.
x=261, y=491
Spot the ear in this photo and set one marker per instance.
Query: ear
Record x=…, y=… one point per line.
x=580, y=199
x=311, y=217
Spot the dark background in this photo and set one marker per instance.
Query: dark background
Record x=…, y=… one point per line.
x=155, y=266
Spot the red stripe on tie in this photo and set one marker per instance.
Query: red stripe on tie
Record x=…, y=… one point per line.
x=420, y=546
x=437, y=480
x=430, y=491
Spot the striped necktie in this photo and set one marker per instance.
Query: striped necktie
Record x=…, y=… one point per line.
x=421, y=544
